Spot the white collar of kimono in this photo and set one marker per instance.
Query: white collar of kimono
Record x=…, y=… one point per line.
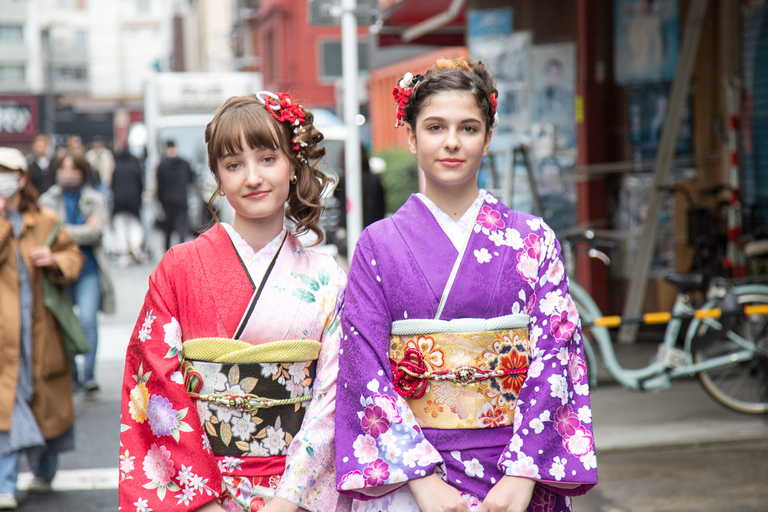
x=256, y=262
x=456, y=230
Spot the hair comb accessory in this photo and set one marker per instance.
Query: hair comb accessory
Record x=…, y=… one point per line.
x=284, y=110
x=402, y=93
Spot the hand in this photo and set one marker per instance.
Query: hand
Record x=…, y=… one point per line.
x=93, y=222
x=42, y=257
x=510, y=494
x=280, y=505
x=434, y=495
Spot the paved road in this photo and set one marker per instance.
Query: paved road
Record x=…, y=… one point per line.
x=676, y=450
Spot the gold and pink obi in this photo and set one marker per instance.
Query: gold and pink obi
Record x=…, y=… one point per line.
x=462, y=373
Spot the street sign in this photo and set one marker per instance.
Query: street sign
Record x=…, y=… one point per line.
x=327, y=13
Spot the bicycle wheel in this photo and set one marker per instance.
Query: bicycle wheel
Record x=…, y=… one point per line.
x=741, y=386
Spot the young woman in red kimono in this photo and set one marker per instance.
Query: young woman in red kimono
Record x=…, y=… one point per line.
x=230, y=379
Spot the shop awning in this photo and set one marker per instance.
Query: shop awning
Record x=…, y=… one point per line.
x=433, y=22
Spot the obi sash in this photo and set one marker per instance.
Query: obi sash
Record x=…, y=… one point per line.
x=251, y=398
x=462, y=373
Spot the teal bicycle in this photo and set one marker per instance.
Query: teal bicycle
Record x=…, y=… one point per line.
x=728, y=354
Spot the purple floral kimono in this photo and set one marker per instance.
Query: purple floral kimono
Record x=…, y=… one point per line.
x=406, y=274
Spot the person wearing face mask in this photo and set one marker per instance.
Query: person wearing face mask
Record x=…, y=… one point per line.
x=86, y=215
x=34, y=361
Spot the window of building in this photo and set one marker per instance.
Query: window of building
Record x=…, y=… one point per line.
x=331, y=61
x=81, y=38
x=12, y=74
x=11, y=34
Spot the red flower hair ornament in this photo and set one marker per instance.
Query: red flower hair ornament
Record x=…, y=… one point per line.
x=284, y=110
x=402, y=92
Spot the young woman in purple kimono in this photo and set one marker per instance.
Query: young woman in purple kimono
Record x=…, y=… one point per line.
x=462, y=380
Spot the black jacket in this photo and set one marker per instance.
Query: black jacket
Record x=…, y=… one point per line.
x=42, y=179
x=127, y=183
x=173, y=176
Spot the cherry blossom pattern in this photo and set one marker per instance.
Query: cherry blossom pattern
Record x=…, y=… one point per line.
x=374, y=421
x=482, y=255
x=473, y=502
x=352, y=480
x=377, y=473
x=146, y=328
x=563, y=322
x=491, y=417
x=433, y=355
x=489, y=219
x=576, y=439
x=528, y=258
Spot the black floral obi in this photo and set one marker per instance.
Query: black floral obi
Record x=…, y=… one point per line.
x=251, y=398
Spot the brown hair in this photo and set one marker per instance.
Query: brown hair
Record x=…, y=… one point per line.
x=454, y=75
x=78, y=161
x=28, y=197
x=247, y=116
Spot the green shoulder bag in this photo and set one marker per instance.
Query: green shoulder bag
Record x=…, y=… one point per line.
x=57, y=301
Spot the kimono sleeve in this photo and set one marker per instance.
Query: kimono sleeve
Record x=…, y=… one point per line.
x=165, y=460
x=379, y=446
x=310, y=477
x=552, y=441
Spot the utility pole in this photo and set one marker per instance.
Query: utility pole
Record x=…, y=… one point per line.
x=350, y=78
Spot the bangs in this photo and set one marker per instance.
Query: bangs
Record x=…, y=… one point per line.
x=251, y=121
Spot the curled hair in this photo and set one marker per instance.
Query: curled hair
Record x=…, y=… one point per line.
x=246, y=116
x=454, y=75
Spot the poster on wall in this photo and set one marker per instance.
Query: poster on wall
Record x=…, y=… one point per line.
x=553, y=79
x=648, y=105
x=646, y=40
x=506, y=54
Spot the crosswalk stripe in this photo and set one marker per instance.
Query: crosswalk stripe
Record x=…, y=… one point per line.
x=78, y=479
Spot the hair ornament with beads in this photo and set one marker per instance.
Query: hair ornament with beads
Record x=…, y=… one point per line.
x=402, y=92
x=284, y=110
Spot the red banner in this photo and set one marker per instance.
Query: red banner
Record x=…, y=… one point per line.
x=19, y=119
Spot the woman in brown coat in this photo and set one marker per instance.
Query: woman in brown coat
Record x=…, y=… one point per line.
x=36, y=410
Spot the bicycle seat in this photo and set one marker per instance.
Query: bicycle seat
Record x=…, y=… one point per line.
x=686, y=282
x=756, y=248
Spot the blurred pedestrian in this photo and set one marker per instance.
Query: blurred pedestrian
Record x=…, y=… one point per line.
x=173, y=176
x=127, y=187
x=34, y=363
x=102, y=163
x=40, y=165
x=84, y=210
x=75, y=145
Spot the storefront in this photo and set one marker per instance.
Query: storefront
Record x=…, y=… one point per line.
x=585, y=87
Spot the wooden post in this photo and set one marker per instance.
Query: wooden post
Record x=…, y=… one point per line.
x=590, y=129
